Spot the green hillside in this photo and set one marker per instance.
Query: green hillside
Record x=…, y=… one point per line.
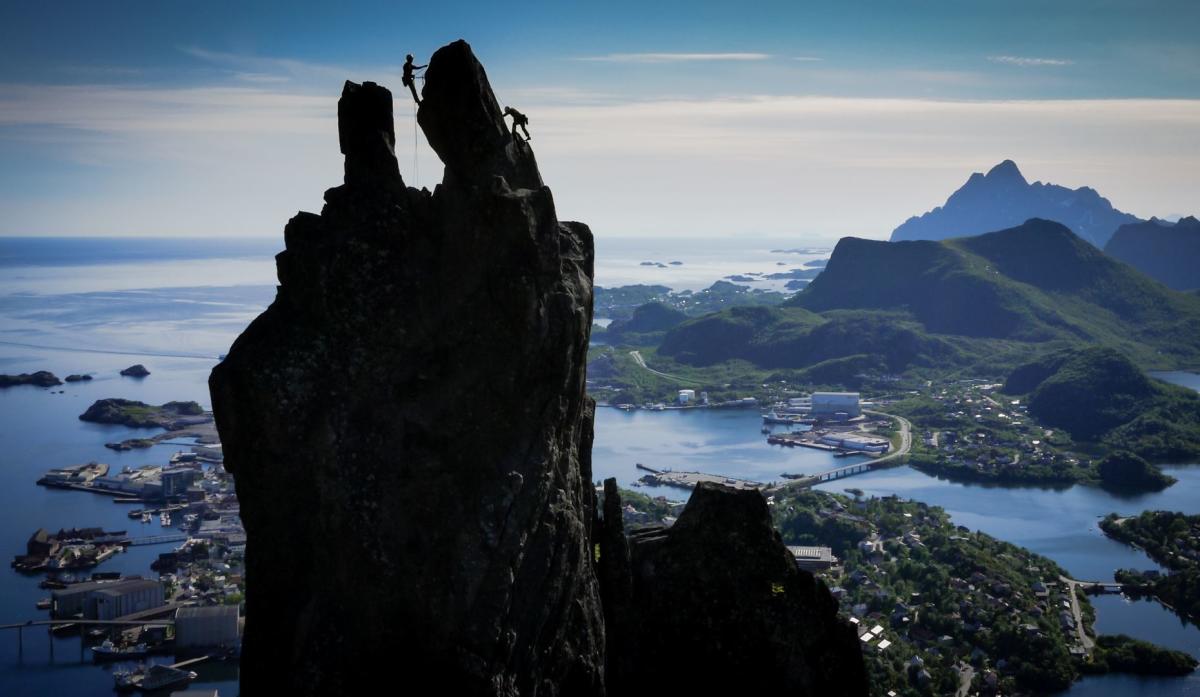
x=1098, y=395
x=1032, y=283
x=645, y=327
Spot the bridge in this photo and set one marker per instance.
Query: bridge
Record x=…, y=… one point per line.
x=144, y=618
x=51, y=625
x=154, y=540
x=829, y=475
x=880, y=462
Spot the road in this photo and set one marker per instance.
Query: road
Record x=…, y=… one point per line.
x=966, y=673
x=1084, y=640
x=637, y=358
x=905, y=437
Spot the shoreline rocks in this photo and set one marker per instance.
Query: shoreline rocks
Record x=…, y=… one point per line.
x=41, y=378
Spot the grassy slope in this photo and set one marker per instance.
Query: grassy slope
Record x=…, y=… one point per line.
x=970, y=302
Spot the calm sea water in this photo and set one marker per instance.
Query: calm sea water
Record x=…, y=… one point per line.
x=98, y=308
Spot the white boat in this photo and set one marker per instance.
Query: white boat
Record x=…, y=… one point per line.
x=108, y=651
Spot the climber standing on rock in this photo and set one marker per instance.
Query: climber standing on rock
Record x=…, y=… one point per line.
x=409, y=78
x=519, y=119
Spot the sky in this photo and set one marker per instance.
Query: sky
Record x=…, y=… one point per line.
x=801, y=120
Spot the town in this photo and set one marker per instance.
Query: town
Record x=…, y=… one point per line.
x=189, y=603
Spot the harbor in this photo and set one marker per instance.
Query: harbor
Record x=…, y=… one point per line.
x=690, y=480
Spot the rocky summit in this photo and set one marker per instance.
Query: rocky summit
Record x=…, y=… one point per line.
x=411, y=439
x=716, y=605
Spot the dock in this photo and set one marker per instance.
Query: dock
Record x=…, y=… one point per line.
x=793, y=440
x=690, y=480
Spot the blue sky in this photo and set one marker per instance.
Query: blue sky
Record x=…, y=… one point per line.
x=669, y=118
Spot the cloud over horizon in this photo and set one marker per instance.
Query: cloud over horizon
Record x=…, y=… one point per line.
x=674, y=57
x=1027, y=62
x=242, y=158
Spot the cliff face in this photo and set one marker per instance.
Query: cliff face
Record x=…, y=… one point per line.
x=405, y=421
x=411, y=440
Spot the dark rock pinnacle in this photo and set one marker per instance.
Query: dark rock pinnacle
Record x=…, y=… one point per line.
x=411, y=440
x=404, y=423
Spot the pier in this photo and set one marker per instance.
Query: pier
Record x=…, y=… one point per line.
x=154, y=540
x=690, y=480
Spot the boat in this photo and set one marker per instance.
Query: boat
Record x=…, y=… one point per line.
x=771, y=418
x=156, y=677
x=145, y=517
x=108, y=651
x=45, y=604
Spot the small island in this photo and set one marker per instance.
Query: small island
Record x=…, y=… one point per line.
x=42, y=378
x=1172, y=540
x=178, y=419
x=134, y=414
x=75, y=377
x=135, y=371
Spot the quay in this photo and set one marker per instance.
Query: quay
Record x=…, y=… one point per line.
x=690, y=480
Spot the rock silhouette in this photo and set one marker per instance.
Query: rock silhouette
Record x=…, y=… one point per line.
x=408, y=428
x=716, y=605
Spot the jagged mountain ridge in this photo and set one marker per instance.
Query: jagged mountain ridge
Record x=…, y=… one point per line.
x=1167, y=252
x=1003, y=198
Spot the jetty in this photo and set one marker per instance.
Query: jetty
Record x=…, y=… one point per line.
x=690, y=480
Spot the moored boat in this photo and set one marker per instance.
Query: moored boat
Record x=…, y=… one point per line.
x=108, y=651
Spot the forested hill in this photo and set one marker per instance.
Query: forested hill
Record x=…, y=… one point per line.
x=1034, y=282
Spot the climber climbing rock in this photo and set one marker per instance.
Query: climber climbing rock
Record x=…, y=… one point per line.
x=519, y=119
x=409, y=77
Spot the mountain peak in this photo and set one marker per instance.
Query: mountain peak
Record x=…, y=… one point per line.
x=1003, y=199
x=1006, y=171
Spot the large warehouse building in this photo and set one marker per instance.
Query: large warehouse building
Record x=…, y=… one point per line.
x=828, y=404
x=206, y=627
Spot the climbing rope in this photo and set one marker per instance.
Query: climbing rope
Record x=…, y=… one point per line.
x=416, y=172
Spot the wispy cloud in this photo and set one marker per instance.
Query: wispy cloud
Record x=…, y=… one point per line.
x=808, y=59
x=1028, y=62
x=673, y=57
x=261, y=69
x=245, y=157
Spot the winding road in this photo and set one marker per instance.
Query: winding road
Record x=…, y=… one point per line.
x=637, y=358
x=905, y=437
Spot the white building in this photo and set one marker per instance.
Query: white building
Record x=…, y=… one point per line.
x=828, y=404
x=813, y=558
x=687, y=396
x=861, y=443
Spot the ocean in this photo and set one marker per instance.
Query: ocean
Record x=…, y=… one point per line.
x=96, y=306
